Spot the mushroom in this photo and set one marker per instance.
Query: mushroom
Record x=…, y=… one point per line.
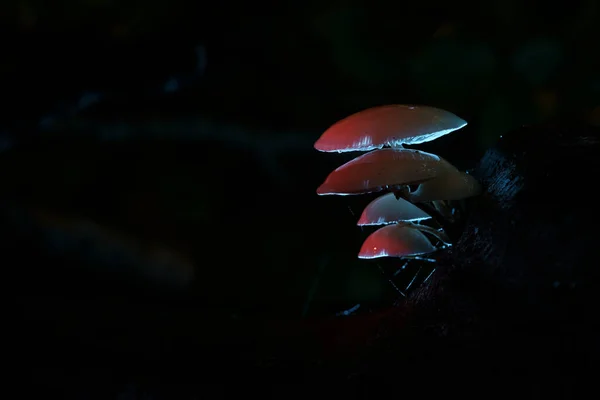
x=396, y=241
x=397, y=169
x=384, y=169
x=390, y=125
x=388, y=209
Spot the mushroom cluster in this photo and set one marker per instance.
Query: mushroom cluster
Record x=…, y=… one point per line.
x=420, y=185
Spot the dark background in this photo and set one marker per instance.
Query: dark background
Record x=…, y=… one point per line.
x=220, y=165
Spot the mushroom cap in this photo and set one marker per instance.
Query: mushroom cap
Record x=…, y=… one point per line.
x=390, y=125
x=396, y=241
x=450, y=186
x=383, y=169
x=387, y=209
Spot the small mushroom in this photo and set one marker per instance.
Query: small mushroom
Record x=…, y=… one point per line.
x=384, y=169
x=390, y=125
x=450, y=186
x=396, y=241
x=387, y=209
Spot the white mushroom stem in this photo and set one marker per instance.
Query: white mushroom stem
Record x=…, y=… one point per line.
x=429, y=276
x=437, y=233
x=447, y=224
x=420, y=258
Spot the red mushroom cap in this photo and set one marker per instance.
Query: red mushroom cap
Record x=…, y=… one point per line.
x=383, y=169
x=396, y=241
x=390, y=125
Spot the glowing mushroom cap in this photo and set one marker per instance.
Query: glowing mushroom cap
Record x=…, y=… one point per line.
x=383, y=169
x=396, y=241
x=450, y=186
x=390, y=125
x=387, y=210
